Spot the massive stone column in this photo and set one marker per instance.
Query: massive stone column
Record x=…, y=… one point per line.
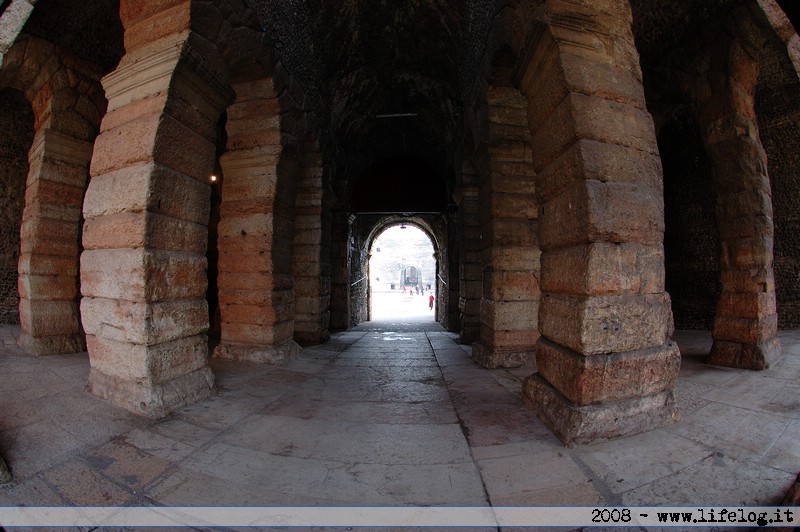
x=50, y=236
x=510, y=300
x=67, y=101
x=746, y=320
x=341, y=233
x=143, y=271
x=255, y=245
x=312, y=253
x=606, y=365
x=469, y=267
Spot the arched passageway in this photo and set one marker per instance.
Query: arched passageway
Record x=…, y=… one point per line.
x=402, y=274
x=534, y=142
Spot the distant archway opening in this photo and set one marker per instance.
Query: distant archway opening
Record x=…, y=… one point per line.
x=402, y=275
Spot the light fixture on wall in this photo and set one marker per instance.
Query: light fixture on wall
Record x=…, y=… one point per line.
x=213, y=178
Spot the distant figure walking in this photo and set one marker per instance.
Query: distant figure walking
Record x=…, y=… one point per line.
x=430, y=302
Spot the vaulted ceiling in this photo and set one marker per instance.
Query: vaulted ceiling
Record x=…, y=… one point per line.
x=389, y=77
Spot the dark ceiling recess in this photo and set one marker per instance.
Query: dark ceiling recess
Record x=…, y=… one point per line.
x=384, y=76
x=399, y=185
x=93, y=31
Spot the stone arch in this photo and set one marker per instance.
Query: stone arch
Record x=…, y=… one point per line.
x=67, y=102
x=721, y=85
x=410, y=273
x=370, y=226
x=606, y=364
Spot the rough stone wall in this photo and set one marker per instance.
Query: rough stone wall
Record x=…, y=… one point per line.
x=16, y=122
x=691, y=239
x=778, y=112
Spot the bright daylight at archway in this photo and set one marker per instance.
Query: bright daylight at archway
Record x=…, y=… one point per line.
x=402, y=275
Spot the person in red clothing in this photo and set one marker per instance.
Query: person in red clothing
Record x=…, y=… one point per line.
x=430, y=302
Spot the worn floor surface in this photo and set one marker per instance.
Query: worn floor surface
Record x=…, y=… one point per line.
x=389, y=413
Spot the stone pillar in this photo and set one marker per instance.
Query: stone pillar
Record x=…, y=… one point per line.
x=143, y=271
x=510, y=301
x=312, y=241
x=448, y=282
x=606, y=365
x=746, y=321
x=341, y=231
x=256, y=300
x=50, y=236
x=469, y=267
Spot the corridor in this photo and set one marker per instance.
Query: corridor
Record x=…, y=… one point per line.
x=389, y=413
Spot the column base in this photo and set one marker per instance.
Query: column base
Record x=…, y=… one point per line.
x=745, y=356
x=52, y=345
x=493, y=358
x=311, y=338
x=155, y=400
x=582, y=425
x=277, y=355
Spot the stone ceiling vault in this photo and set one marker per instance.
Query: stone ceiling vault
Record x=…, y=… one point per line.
x=388, y=78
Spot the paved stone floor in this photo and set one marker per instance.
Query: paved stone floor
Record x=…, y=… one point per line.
x=389, y=413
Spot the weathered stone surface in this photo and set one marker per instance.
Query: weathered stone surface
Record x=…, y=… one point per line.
x=586, y=380
x=144, y=229
x=144, y=323
x=256, y=336
x=593, y=211
x=603, y=268
x=47, y=287
x=740, y=354
x=148, y=365
x=153, y=401
x=753, y=330
x=52, y=345
x=49, y=317
x=280, y=308
x=274, y=353
x=509, y=315
x=511, y=285
x=606, y=324
x=581, y=425
x=504, y=357
x=148, y=186
x=36, y=264
x=142, y=274
x=579, y=116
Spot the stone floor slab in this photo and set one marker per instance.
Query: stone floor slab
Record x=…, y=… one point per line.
x=392, y=413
